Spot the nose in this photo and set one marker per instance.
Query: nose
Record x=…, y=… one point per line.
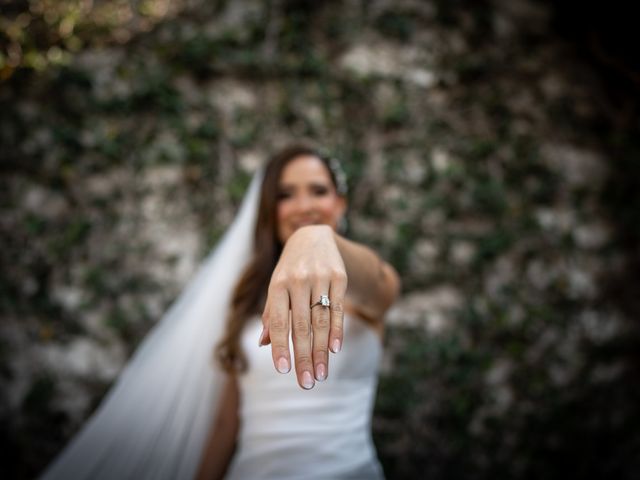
x=304, y=203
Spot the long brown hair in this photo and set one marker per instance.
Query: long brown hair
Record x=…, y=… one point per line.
x=249, y=294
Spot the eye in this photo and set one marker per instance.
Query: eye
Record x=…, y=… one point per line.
x=283, y=195
x=319, y=190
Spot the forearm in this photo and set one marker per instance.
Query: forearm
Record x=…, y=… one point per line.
x=316, y=261
x=373, y=283
x=216, y=460
x=221, y=442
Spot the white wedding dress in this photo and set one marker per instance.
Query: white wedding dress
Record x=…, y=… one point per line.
x=154, y=421
x=324, y=433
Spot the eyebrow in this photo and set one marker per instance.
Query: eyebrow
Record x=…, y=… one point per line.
x=310, y=184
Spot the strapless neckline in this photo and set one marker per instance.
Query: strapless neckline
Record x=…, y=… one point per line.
x=289, y=433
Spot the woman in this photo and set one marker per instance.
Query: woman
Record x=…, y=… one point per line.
x=299, y=258
x=170, y=415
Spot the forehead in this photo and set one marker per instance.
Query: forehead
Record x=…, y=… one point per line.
x=303, y=169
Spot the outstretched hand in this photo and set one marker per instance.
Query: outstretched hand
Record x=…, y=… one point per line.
x=310, y=266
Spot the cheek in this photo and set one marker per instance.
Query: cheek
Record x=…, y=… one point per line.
x=283, y=212
x=329, y=209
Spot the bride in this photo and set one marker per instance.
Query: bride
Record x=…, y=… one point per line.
x=282, y=276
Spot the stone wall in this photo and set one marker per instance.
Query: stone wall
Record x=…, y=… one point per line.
x=481, y=163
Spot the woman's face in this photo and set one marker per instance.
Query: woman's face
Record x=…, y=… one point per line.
x=307, y=196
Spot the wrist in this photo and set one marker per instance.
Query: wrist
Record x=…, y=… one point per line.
x=315, y=230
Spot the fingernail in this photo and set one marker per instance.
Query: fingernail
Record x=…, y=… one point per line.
x=307, y=380
x=336, y=345
x=283, y=365
x=262, y=337
x=321, y=372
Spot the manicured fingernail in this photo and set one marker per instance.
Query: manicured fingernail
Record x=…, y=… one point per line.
x=321, y=372
x=262, y=337
x=336, y=345
x=307, y=380
x=283, y=365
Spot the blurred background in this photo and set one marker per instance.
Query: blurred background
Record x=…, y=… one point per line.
x=492, y=149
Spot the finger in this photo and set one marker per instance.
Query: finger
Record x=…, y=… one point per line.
x=337, y=293
x=276, y=317
x=320, y=322
x=301, y=334
x=264, y=339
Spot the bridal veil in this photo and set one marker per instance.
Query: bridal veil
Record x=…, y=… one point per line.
x=155, y=419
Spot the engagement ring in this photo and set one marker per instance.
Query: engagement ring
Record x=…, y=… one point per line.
x=324, y=301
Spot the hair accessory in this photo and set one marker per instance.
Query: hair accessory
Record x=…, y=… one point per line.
x=339, y=175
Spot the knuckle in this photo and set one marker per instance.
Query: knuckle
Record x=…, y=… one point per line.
x=279, y=349
x=277, y=324
x=320, y=354
x=278, y=278
x=301, y=328
x=279, y=282
x=303, y=359
x=321, y=320
x=300, y=277
x=337, y=307
x=338, y=274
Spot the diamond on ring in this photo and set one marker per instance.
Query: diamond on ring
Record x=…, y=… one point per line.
x=323, y=302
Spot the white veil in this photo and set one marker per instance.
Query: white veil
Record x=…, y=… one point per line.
x=154, y=421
